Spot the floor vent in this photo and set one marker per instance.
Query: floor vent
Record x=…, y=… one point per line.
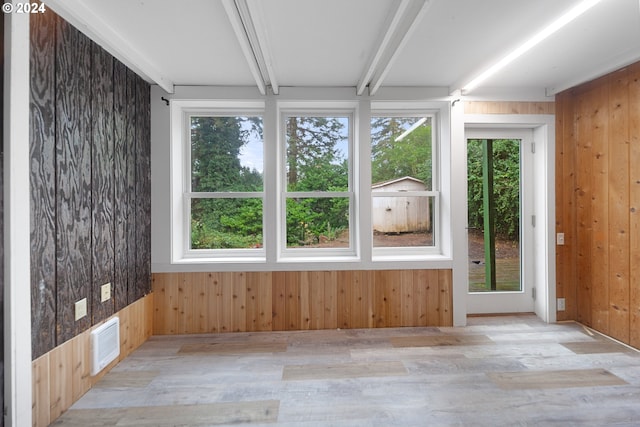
x=105, y=345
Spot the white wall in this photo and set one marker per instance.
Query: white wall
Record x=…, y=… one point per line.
x=17, y=238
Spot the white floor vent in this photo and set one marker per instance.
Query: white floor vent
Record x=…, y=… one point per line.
x=105, y=345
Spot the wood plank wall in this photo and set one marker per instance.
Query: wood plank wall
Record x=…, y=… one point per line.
x=90, y=182
x=598, y=203
x=191, y=303
x=508, y=107
x=62, y=375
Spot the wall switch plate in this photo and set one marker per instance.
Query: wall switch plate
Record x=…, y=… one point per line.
x=105, y=292
x=81, y=309
x=561, y=304
x=560, y=239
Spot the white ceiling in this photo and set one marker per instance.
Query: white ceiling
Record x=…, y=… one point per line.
x=441, y=43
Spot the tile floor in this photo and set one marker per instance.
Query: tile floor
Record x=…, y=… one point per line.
x=498, y=371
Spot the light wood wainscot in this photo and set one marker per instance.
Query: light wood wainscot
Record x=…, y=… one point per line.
x=191, y=303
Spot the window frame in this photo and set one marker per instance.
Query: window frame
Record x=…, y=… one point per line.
x=400, y=110
x=347, y=110
x=185, y=111
x=271, y=256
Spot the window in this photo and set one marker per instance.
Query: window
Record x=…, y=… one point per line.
x=317, y=185
x=224, y=191
x=288, y=181
x=404, y=204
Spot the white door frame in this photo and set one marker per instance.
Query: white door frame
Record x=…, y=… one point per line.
x=516, y=301
x=543, y=127
x=17, y=237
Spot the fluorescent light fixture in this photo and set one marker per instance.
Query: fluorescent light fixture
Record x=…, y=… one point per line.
x=413, y=127
x=565, y=19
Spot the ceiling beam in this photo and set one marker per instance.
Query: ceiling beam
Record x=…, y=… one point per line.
x=80, y=15
x=245, y=45
x=399, y=29
x=256, y=30
x=253, y=44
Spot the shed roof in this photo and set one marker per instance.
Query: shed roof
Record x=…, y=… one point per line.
x=393, y=181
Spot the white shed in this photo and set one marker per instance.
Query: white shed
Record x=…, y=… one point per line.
x=401, y=214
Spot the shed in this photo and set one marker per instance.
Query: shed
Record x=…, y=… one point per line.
x=400, y=214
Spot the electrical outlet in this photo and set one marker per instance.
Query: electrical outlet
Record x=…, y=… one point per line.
x=560, y=304
x=81, y=309
x=560, y=239
x=105, y=292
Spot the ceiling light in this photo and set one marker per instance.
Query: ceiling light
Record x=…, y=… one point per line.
x=533, y=41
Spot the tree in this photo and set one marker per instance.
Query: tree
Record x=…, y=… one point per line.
x=216, y=144
x=311, y=144
x=506, y=169
x=394, y=157
x=315, y=164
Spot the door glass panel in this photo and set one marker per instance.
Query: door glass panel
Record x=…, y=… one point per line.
x=494, y=215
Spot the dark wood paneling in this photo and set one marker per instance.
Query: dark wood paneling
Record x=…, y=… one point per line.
x=42, y=182
x=102, y=181
x=73, y=179
x=142, y=202
x=130, y=150
x=85, y=145
x=121, y=186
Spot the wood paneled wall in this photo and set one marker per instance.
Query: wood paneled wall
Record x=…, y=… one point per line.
x=598, y=203
x=62, y=376
x=190, y=303
x=508, y=107
x=90, y=182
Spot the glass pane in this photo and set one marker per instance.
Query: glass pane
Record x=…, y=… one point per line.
x=403, y=221
x=317, y=153
x=315, y=222
x=401, y=147
x=226, y=223
x=495, y=253
x=226, y=154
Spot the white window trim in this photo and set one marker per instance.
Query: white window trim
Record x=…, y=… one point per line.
x=181, y=194
x=317, y=109
x=409, y=109
x=270, y=106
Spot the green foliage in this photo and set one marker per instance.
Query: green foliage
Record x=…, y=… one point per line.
x=312, y=152
x=310, y=218
x=314, y=163
x=215, y=154
x=204, y=237
x=216, y=144
x=506, y=186
x=393, y=158
x=226, y=223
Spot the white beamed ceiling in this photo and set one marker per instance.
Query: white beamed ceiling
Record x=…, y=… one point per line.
x=330, y=43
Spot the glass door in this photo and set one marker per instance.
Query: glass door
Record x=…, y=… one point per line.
x=498, y=188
